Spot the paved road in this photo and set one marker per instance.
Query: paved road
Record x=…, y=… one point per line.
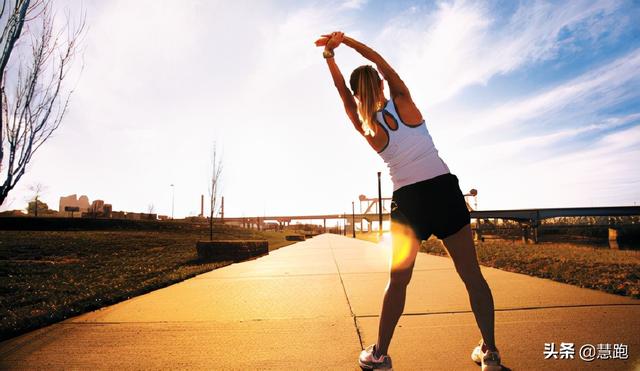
x=314, y=305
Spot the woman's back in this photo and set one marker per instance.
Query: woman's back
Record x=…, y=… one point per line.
x=410, y=153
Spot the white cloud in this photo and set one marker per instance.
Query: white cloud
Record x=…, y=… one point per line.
x=460, y=44
x=354, y=4
x=536, y=142
x=603, y=174
x=605, y=86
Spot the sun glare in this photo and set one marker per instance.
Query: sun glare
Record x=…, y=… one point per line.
x=399, y=243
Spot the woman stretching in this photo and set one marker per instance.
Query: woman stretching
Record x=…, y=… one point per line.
x=426, y=196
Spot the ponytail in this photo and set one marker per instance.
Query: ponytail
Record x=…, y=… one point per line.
x=365, y=83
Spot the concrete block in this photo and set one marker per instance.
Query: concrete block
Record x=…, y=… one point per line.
x=295, y=237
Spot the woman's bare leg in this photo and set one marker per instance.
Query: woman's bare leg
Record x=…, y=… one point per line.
x=404, y=249
x=463, y=253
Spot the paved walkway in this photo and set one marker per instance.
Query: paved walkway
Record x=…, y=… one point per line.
x=315, y=304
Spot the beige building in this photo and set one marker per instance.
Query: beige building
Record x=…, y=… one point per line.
x=81, y=203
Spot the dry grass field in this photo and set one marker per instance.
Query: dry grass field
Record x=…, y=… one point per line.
x=47, y=276
x=613, y=271
x=586, y=265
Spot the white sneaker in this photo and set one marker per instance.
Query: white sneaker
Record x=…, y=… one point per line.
x=489, y=360
x=368, y=361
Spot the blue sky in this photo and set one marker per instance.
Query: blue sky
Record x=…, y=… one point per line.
x=535, y=104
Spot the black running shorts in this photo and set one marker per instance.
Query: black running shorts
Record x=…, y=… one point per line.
x=433, y=206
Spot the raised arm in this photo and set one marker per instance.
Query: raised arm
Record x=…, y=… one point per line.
x=347, y=99
x=396, y=85
x=406, y=108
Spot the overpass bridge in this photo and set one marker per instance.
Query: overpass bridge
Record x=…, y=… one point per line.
x=259, y=221
x=529, y=219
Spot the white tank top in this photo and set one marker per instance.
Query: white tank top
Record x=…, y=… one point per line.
x=410, y=154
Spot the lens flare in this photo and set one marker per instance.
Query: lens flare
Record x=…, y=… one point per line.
x=401, y=248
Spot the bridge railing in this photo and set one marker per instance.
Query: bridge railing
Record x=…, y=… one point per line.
x=529, y=219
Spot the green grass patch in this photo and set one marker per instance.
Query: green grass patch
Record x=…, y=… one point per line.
x=47, y=276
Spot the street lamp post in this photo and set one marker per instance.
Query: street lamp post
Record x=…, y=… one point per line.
x=173, y=198
x=344, y=221
x=353, y=218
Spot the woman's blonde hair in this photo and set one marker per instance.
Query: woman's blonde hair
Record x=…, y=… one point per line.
x=365, y=84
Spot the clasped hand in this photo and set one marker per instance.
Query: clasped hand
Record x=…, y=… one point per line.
x=330, y=41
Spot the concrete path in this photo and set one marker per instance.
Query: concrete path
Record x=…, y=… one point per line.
x=315, y=304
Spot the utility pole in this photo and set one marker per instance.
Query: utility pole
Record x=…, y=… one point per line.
x=344, y=221
x=173, y=198
x=353, y=218
x=222, y=209
x=379, y=206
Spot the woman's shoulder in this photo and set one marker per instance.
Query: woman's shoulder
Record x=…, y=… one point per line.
x=406, y=110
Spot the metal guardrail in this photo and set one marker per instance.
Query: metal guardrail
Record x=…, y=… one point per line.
x=529, y=219
x=535, y=215
x=523, y=215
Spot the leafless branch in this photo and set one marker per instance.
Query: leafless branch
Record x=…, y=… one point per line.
x=214, y=187
x=33, y=101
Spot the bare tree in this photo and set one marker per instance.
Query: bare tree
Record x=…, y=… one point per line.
x=151, y=208
x=214, y=187
x=36, y=190
x=33, y=101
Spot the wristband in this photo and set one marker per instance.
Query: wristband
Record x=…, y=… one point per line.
x=328, y=53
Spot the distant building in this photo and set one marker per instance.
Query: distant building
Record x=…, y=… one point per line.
x=97, y=206
x=73, y=201
x=118, y=214
x=71, y=206
x=107, y=211
x=141, y=216
x=134, y=216
x=148, y=216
